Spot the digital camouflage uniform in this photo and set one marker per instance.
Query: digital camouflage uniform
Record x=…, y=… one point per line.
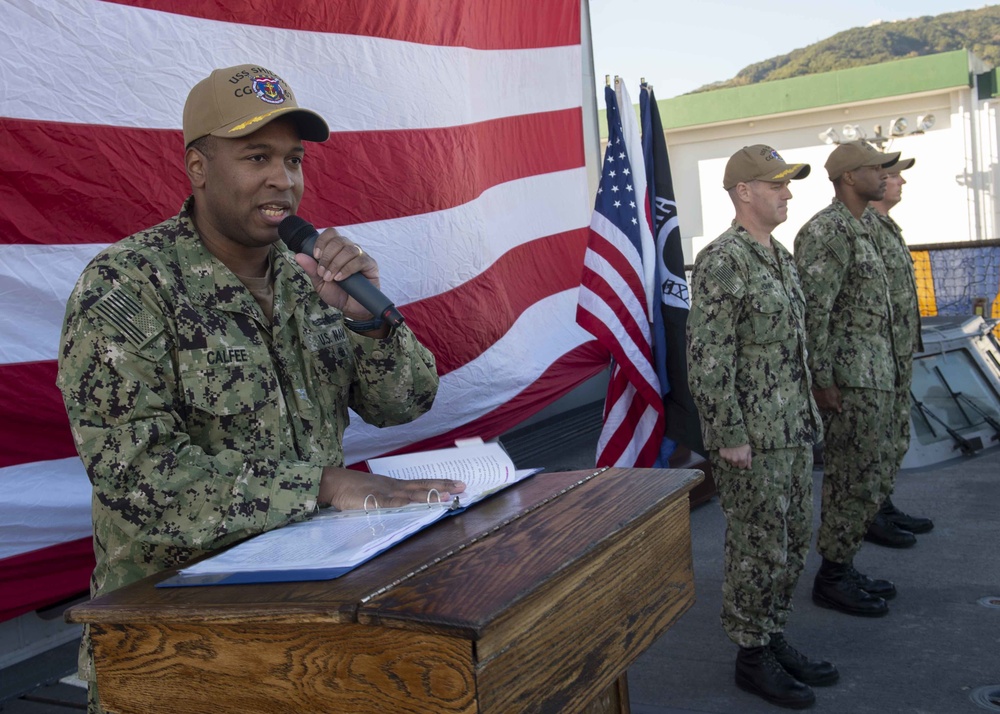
x=198, y=422
x=906, y=338
x=748, y=373
x=848, y=322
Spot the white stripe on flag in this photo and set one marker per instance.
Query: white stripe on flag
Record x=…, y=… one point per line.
x=633, y=145
x=35, y=282
x=454, y=245
x=616, y=417
x=60, y=489
x=641, y=434
x=77, y=76
x=615, y=413
x=614, y=236
x=515, y=361
x=597, y=306
x=460, y=243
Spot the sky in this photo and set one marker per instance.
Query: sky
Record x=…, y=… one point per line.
x=680, y=45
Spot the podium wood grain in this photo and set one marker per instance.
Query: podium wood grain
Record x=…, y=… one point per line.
x=536, y=600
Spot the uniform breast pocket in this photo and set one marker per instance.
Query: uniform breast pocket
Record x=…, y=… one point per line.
x=898, y=263
x=870, y=287
x=769, y=319
x=227, y=381
x=866, y=269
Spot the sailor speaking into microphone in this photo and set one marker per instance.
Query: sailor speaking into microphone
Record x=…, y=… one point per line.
x=188, y=453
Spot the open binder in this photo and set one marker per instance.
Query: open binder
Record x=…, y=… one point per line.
x=332, y=543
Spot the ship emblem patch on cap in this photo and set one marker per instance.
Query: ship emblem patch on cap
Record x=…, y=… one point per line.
x=775, y=155
x=269, y=89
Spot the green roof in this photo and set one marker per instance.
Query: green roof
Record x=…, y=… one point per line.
x=888, y=79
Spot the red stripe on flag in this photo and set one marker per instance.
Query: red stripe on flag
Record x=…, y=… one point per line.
x=628, y=323
x=359, y=177
x=481, y=310
x=620, y=263
x=77, y=174
x=34, y=426
x=80, y=183
x=611, y=338
x=571, y=370
x=33, y=421
x=456, y=23
x=50, y=438
x=43, y=577
x=625, y=374
x=626, y=432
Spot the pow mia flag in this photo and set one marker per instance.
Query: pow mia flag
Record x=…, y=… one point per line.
x=670, y=321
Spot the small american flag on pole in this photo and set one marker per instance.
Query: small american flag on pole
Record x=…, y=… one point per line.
x=616, y=295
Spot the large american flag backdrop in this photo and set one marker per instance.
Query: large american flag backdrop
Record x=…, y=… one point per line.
x=457, y=160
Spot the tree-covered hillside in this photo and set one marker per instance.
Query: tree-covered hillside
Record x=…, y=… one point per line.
x=977, y=30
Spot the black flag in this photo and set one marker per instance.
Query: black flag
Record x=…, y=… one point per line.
x=682, y=423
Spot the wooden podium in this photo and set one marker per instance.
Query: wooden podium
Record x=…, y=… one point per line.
x=536, y=600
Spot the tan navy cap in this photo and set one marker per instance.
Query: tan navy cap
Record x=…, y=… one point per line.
x=236, y=101
x=901, y=165
x=852, y=155
x=760, y=163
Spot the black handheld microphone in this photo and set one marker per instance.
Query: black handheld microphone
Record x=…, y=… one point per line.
x=300, y=236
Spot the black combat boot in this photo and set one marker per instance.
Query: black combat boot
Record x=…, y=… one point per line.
x=805, y=670
x=882, y=531
x=879, y=588
x=834, y=588
x=758, y=672
x=913, y=524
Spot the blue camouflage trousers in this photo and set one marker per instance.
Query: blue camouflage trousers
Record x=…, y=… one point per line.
x=768, y=510
x=859, y=464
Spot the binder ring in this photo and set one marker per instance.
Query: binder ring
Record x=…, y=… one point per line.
x=433, y=490
x=374, y=500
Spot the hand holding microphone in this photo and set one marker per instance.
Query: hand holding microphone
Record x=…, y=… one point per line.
x=300, y=236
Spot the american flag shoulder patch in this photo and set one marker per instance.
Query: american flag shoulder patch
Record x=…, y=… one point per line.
x=726, y=277
x=126, y=314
